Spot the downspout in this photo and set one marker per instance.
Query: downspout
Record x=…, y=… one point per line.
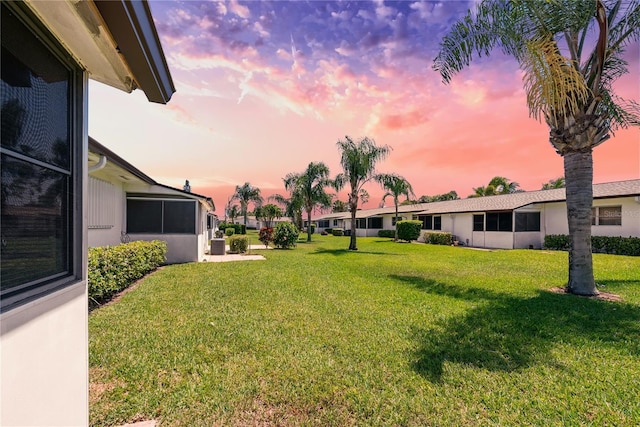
x=101, y=164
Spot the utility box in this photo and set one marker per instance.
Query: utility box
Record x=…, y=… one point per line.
x=217, y=247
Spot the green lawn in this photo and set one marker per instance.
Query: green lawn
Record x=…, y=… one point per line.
x=394, y=334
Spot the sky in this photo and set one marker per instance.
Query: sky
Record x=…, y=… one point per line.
x=265, y=88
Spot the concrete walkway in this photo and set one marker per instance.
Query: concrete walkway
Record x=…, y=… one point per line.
x=237, y=257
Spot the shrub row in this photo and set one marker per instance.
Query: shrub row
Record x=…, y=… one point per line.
x=337, y=231
x=602, y=244
x=114, y=268
x=438, y=238
x=238, y=244
x=387, y=233
x=237, y=228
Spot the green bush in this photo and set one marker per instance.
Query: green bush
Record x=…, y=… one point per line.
x=285, y=235
x=438, y=238
x=114, y=268
x=229, y=231
x=337, y=231
x=409, y=230
x=266, y=235
x=241, y=229
x=387, y=233
x=238, y=244
x=617, y=245
x=329, y=230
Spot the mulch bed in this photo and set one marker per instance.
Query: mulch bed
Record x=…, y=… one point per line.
x=603, y=296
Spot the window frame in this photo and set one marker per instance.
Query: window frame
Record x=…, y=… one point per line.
x=437, y=222
x=596, y=217
x=73, y=214
x=162, y=201
x=478, y=225
x=500, y=219
x=529, y=226
x=374, y=226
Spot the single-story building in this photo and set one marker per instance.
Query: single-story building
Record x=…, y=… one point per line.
x=517, y=220
x=125, y=205
x=49, y=51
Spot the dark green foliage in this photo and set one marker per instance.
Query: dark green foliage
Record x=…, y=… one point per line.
x=337, y=231
x=229, y=231
x=329, y=230
x=387, y=233
x=409, y=230
x=285, y=235
x=114, y=268
x=602, y=244
x=438, y=238
x=238, y=244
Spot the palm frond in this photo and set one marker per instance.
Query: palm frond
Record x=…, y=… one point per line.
x=555, y=89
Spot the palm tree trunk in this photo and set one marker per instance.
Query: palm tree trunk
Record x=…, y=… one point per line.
x=578, y=170
x=308, y=225
x=395, y=238
x=352, y=239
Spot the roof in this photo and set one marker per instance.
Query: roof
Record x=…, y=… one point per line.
x=498, y=203
x=112, y=159
x=115, y=41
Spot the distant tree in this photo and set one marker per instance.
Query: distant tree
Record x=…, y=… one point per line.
x=292, y=207
x=358, y=160
x=310, y=186
x=268, y=213
x=233, y=212
x=395, y=186
x=451, y=195
x=553, y=183
x=497, y=185
x=339, y=206
x=246, y=194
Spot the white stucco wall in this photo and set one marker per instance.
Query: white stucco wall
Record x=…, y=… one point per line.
x=180, y=247
x=44, y=361
x=108, y=234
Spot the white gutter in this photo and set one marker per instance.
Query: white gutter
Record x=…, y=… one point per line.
x=101, y=164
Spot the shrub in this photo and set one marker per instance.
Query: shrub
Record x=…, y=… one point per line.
x=285, y=235
x=329, y=230
x=241, y=229
x=324, y=233
x=604, y=244
x=266, y=235
x=387, y=233
x=238, y=244
x=409, y=230
x=337, y=231
x=229, y=231
x=114, y=268
x=438, y=238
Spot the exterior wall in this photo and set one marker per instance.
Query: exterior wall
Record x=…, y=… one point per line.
x=526, y=239
x=180, y=247
x=44, y=362
x=555, y=218
x=498, y=240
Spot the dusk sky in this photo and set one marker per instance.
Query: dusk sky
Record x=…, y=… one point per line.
x=265, y=88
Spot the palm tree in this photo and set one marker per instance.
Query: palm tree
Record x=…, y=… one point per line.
x=233, y=212
x=292, y=207
x=553, y=183
x=396, y=186
x=246, y=194
x=268, y=213
x=358, y=160
x=310, y=187
x=568, y=85
x=502, y=185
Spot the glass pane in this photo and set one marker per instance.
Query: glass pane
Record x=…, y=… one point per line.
x=35, y=97
x=35, y=229
x=505, y=221
x=492, y=222
x=478, y=223
x=179, y=217
x=437, y=223
x=611, y=215
x=144, y=216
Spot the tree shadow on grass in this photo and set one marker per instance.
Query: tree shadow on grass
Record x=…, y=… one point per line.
x=506, y=333
x=340, y=252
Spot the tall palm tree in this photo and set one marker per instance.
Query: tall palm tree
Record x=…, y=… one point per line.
x=358, y=160
x=246, y=194
x=395, y=186
x=233, y=212
x=310, y=187
x=553, y=183
x=568, y=81
x=293, y=206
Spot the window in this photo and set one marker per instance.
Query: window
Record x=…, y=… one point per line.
x=478, y=222
x=361, y=223
x=606, y=215
x=437, y=223
x=427, y=221
x=161, y=216
x=375, y=223
x=394, y=220
x=499, y=221
x=527, y=221
x=335, y=222
x=323, y=223
x=41, y=207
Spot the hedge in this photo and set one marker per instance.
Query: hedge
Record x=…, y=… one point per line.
x=387, y=233
x=438, y=238
x=409, y=230
x=337, y=231
x=114, y=268
x=601, y=244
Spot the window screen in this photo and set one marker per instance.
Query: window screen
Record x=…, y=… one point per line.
x=179, y=217
x=499, y=221
x=375, y=223
x=610, y=215
x=161, y=216
x=478, y=223
x=437, y=223
x=527, y=221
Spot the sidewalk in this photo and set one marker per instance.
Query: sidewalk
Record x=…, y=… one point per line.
x=237, y=257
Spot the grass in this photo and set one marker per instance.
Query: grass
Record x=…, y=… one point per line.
x=393, y=334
